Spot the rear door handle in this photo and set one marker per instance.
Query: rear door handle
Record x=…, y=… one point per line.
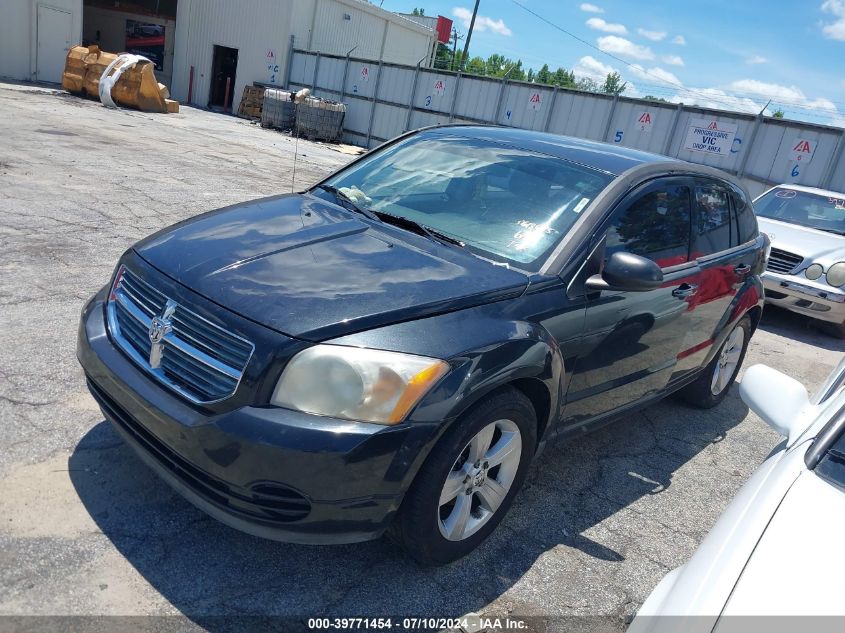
x=685, y=290
x=742, y=269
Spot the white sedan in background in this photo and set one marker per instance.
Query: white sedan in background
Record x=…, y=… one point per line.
x=806, y=269
x=779, y=547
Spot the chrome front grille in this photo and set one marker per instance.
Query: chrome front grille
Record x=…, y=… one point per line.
x=781, y=261
x=196, y=358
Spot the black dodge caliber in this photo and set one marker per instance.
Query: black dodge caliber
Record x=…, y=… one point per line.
x=387, y=351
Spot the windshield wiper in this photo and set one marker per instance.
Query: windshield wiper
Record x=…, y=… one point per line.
x=835, y=231
x=420, y=229
x=389, y=218
x=348, y=202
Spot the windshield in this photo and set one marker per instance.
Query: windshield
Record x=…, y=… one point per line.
x=501, y=201
x=823, y=212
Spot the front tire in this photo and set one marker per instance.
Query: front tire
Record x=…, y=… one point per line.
x=467, y=484
x=711, y=387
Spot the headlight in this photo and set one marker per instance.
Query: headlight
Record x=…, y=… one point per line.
x=355, y=383
x=836, y=274
x=813, y=271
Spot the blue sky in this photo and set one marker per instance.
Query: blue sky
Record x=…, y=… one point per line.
x=733, y=54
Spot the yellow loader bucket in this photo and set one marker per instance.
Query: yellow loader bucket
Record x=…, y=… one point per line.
x=135, y=88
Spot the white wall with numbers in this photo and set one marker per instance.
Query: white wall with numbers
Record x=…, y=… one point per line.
x=384, y=100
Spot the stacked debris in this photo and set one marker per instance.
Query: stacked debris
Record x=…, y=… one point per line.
x=123, y=79
x=320, y=119
x=252, y=102
x=311, y=117
x=279, y=109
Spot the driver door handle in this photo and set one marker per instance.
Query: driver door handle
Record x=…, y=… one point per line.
x=742, y=269
x=685, y=290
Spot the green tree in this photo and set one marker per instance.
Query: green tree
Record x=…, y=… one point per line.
x=544, y=75
x=419, y=12
x=587, y=84
x=474, y=66
x=613, y=84
x=778, y=114
x=564, y=78
x=653, y=98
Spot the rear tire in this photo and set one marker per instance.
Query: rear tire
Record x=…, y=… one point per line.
x=469, y=480
x=711, y=387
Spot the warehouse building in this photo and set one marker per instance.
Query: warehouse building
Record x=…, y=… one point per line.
x=205, y=51
x=220, y=41
x=35, y=37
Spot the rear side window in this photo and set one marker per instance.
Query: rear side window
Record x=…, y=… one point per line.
x=711, y=220
x=832, y=466
x=654, y=225
x=746, y=221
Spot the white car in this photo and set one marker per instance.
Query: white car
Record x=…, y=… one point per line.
x=778, y=547
x=806, y=269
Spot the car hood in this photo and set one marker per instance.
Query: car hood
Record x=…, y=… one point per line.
x=310, y=269
x=796, y=567
x=818, y=246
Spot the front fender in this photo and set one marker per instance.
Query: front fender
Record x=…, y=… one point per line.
x=478, y=372
x=485, y=350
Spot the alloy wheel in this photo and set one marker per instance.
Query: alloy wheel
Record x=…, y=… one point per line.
x=728, y=361
x=479, y=480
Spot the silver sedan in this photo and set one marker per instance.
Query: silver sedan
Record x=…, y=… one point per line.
x=806, y=269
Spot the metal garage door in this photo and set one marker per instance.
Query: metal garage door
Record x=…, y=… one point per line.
x=54, y=32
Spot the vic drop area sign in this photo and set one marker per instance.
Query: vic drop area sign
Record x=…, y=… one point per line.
x=710, y=137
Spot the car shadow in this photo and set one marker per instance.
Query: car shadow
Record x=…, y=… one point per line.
x=575, y=494
x=799, y=328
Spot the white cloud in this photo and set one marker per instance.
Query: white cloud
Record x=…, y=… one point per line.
x=626, y=48
x=680, y=40
x=834, y=30
x=655, y=73
x=717, y=99
x=654, y=36
x=608, y=27
x=591, y=8
x=756, y=59
x=482, y=22
x=673, y=60
x=745, y=95
x=791, y=95
x=750, y=95
x=591, y=68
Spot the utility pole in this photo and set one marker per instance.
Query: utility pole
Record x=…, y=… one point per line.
x=455, y=36
x=469, y=35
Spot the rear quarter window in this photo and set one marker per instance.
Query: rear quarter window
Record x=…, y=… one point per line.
x=711, y=225
x=746, y=221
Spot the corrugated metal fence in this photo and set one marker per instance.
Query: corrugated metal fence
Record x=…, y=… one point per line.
x=384, y=100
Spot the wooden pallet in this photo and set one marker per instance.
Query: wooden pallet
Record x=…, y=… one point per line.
x=251, y=102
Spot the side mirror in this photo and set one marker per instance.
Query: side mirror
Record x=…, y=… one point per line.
x=782, y=402
x=626, y=271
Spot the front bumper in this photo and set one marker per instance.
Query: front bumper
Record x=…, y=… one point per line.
x=815, y=300
x=270, y=472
